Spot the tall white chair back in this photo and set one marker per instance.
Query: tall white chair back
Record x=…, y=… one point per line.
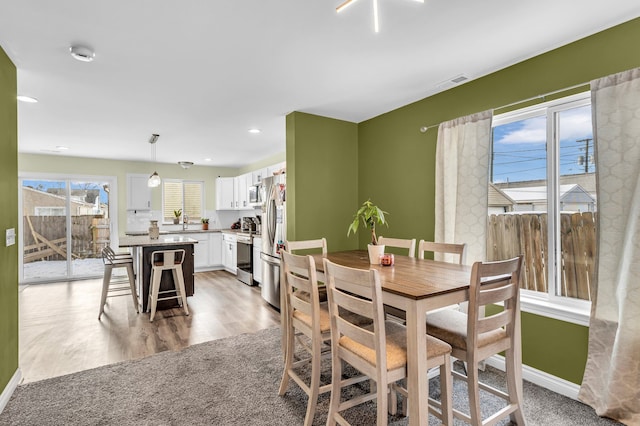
x=410, y=245
x=443, y=248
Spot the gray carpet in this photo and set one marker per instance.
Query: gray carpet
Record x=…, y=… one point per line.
x=232, y=381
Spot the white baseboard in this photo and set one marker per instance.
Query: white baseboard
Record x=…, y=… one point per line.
x=540, y=378
x=8, y=390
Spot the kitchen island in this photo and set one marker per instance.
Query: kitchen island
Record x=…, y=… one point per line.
x=142, y=247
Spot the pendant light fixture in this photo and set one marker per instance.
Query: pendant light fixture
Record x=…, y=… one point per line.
x=154, y=179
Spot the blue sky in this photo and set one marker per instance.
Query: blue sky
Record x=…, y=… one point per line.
x=43, y=185
x=520, y=147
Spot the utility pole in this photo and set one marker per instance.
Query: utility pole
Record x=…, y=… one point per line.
x=586, y=153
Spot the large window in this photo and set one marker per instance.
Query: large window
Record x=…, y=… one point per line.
x=542, y=199
x=186, y=196
x=66, y=222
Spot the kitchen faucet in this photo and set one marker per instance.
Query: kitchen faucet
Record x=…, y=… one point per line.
x=185, y=222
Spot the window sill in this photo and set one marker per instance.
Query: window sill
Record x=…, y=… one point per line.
x=573, y=314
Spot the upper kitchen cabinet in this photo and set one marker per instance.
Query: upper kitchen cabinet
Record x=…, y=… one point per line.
x=242, y=191
x=276, y=168
x=258, y=175
x=138, y=192
x=225, y=193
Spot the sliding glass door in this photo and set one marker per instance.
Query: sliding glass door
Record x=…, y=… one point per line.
x=65, y=225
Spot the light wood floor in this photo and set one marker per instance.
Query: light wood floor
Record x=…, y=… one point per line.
x=60, y=332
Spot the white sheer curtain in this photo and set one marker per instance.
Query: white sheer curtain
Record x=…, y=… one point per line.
x=611, y=381
x=462, y=167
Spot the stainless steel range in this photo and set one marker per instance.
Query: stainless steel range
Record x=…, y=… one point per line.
x=244, y=263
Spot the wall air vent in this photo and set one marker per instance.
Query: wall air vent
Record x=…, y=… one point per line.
x=458, y=79
x=450, y=82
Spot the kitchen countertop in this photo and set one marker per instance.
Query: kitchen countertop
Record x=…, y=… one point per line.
x=164, y=240
x=187, y=231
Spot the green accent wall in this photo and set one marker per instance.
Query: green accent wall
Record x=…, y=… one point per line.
x=396, y=165
x=552, y=346
x=8, y=219
x=322, y=179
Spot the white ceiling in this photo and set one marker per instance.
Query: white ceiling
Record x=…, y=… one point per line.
x=201, y=73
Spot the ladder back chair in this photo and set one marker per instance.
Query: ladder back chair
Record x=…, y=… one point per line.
x=445, y=248
x=410, y=245
x=379, y=350
x=306, y=316
x=475, y=337
x=320, y=243
x=308, y=246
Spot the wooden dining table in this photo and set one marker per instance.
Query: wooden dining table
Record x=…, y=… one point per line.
x=416, y=286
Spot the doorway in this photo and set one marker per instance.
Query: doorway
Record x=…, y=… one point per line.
x=66, y=222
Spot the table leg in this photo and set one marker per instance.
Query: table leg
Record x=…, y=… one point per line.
x=417, y=383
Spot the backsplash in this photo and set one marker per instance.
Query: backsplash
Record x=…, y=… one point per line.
x=139, y=221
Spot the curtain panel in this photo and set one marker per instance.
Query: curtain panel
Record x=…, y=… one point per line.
x=462, y=173
x=611, y=383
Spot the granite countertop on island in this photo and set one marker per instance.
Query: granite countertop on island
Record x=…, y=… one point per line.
x=164, y=240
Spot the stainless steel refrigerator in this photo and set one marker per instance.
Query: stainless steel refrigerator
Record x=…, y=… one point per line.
x=274, y=231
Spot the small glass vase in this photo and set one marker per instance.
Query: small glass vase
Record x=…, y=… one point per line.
x=154, y=231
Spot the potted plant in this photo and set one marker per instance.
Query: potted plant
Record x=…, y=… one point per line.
x=205, y=223
x=367, y=216
x=177, y=214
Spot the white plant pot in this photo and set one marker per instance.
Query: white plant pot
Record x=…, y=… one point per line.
x=375, y=252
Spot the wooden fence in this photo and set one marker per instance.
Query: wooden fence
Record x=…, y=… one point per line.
x=510, y=235
x=45, y=237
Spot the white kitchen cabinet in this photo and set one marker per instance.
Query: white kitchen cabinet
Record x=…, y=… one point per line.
x=215, y=249
x=225, y=193
x=138, y=192
x=257, y=262
x=229, y=252
x=200, y=250
x=275, y=168
x=258, y=175
x=242, y=191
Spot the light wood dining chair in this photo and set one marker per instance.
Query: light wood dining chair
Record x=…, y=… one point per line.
x=475, y=337
x=308, y=247
x=321, y=243
x=378, y=351
x=423, y=246
x=456, y=249
x=304, y=315
x=410, y=245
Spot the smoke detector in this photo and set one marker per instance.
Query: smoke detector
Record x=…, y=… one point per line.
x=82, y=53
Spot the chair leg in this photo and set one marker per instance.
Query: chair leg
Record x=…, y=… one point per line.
x=288, y=349
x=105, y=288
x=336, y=387
x=393, y=401
x=156, y=276
x=382, y=403
x=474, y=393
x=179, y=279
x=314, y=387
x=514, y=387
x=446, y=390
x=132, y=284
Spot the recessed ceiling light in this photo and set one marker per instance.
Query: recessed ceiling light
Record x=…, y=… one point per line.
x=27, y=99
x=61, y=148
x=254, y=131
x=207, y=159
x=82, y=53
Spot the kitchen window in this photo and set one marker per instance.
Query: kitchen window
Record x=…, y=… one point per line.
x=542, y=203
x=184, y=195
